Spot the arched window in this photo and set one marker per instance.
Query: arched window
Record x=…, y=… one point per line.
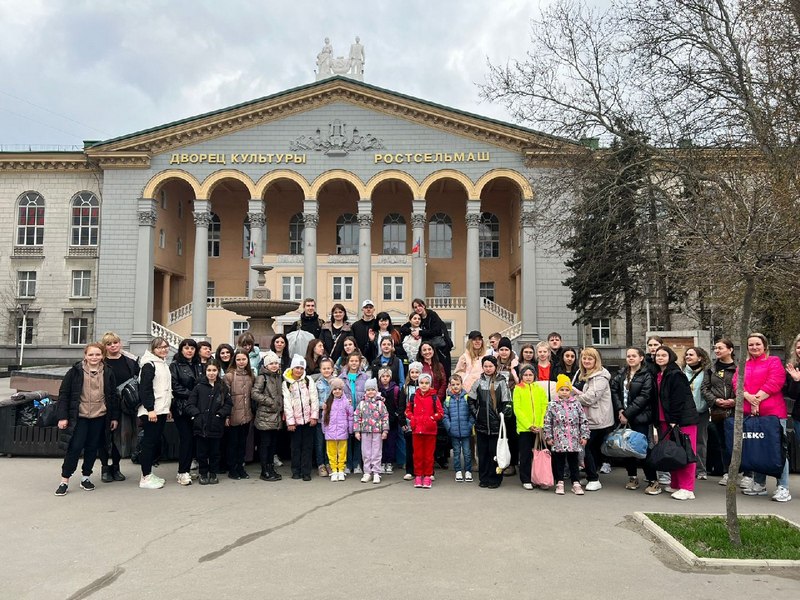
x=30, y=219
x=347, y=234
x=85, y=219
x=394, y=234
x=296, y=228
x=214, y=235
x=440, y=236
x=246, y=237
x=489, y=241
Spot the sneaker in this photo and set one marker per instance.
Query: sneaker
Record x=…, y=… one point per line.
x=321, y=471
x=61, y=490
x=746, y=483
x=633, y=483
x=341, y=475
x=560, y=488
x=334, y=477
x=307, y=477
x=426, y=482
x=703, y=476
x=243, y=474
x=277, y=461
x=433, y=477
x=509, y=471
x=459, y=476
x=184, y=479
x=683, y=495
x=756, y=489
x=106, y=476
x=468, y=476
x=203, y=480
x=212, y=479
x=382, y=468
x=605, y=468
x=417, y=482
x=357, y=471
x=117, y=474
x=155, y=477
x=591, y=486
x=654, y=489
x=724, y=480
x=348, y=470
x=194, y=470
x=527, y=486
x=577, y=489
x=408, y=477
x=376, y=478
x=150, y=482
x=365, y=478
x=781, y=494
x=389, y=468
x=87, y=485
x=670, y=490
x=233, y=475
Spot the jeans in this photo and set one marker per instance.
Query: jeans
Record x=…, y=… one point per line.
x=462, y=445
x=389, y=450
x=353, y=454
x=783, y=480
x=702, y=443
x=87, y=436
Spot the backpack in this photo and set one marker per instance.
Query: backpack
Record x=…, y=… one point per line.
x=129, y=396
x=297, y=341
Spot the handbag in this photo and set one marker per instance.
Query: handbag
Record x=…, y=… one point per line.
x=438, y=342
x=719, y=414
x=763, y=444
x=502, y=452
x=667, y=454
x=542, y=467
x=624, y=442
x=129, y=396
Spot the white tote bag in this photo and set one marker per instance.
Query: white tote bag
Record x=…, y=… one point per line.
x=503, y=456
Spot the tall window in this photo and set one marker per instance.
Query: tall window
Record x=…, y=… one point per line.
x=489, y=241
x=292, y=287
x=246, y=238
x=343, y=288
x=179, y=247
x=85, y=219
x=347, y=234
x=26, y=284
x=211, y=290
x=78, y=331
x=296, y=227
x=30, y=220
x=30, y=322
x=601, y=332
x=164, y=199
x=394, y=234
x=162, y=238
x=440, y=235
x=237, y=329
x=81, y=284
x=214, y=236
x=393, y=287
x=487, y=290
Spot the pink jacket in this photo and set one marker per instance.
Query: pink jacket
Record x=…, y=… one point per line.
x=764, y=374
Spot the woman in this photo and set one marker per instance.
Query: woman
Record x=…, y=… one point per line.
x=155, y=392
x=696, y=362
x=596, y=400
x=488, y=398
x=185, y=373
x=527, y=356
x=631, y=395
x=246, y=342
x=315, y=352
x=224, y=356
x=431, y=365
x=87, y=395
x=386, y=329
x=675, y=406
x=654, y=342
x=507, y=362
x=764, y=377
x=433, y=330
x=334, y=331
x=349, y=346
x=568, y=365
x=279, y=345
x=469, y=364
x=792, y=387
x=720, y=396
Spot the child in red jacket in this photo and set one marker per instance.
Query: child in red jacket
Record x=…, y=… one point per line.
x=423, y=411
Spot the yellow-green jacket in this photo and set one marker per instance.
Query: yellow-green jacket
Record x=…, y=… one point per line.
x=530, y=404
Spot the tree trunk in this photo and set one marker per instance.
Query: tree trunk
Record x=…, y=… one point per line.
x=628, y=301
x=731, y=512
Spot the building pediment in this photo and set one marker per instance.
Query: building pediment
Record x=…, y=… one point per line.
x=133, y=150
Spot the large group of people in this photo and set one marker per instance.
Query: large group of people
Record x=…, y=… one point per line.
x=366, y=397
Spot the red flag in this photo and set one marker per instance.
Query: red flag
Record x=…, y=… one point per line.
x=415, y=249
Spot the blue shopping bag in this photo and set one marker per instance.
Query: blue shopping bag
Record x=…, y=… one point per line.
x=763, y=444
x=624, y=442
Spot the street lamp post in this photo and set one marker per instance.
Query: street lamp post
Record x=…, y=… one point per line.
x=23, y=307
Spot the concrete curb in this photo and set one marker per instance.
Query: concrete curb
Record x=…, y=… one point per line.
x=692, y=559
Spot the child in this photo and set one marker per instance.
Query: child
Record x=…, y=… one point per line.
x=411, y=385
x=354, y=378
x=458, y=421
x=393, y=398
x=371, y=426
x=424, y=411
x=239, y=380
x=566, y=430
x=301, y=407
x=387, y=359
x=209, y=405
x=337, y=424
x=530, y=405
x=323, y=382
x=267, y=394
x=488, y=398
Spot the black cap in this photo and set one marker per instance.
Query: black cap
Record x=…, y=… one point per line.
x=475, y=334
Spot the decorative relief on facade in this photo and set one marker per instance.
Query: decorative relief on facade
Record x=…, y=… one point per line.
x=311, y=219
x=351, y=66
x=364, y=220
x=289, y=259
x=257, y=219
x=12, y=163
x=82, y=252
x=418, y=220
x=393, y=259
x=338, y=141
x=147, y=218
x=338, y=259
x=25, y=251
x=202, y=218
x=473, y=219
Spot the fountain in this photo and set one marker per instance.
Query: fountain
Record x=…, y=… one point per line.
x=260, y=309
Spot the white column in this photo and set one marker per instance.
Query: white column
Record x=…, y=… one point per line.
x=202, y=219
x=143, y=286
x=364, y=251
x=473, y=219
x=528, y=310
x=310, y=222
x=258, y=221
x=166, y=279
x=418, y=285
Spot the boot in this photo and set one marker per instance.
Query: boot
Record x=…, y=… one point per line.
x=106, y=476
x=273, y=474
x=243, y=474
x=264, y=474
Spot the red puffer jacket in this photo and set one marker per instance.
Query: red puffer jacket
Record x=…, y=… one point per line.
x=423, y=411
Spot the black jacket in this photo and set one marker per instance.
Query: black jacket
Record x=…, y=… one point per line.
x=360, y=331
x=718, y=382
x=312, y=325
x=639, y=410
x=394, y=398
x=185, y=376
x=333, y=341
x=487, y=419
x=676, y=398
x=791, y=389
x=394, y=365
x=208, y=408
x=69, y=398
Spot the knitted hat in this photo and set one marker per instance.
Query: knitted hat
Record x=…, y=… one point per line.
x=270, y=357
x=563, y=381
x=298, y=361
x=371, y=384
x=426, y=376
x=337, y=384
x=489, y=358
x=504, y=343
x=415, y=366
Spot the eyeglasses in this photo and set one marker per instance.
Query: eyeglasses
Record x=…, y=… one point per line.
x=165, y=347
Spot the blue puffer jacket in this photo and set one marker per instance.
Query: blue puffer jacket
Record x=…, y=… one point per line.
x=458, y=420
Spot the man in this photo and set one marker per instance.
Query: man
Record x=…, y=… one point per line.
x=364, y=330
x=494, y=343
x=554, y=341
x=309, y=320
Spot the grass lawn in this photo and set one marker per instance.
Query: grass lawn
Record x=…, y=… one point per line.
x=762, y=537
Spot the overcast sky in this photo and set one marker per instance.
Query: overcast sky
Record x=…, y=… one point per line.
x=76, y=70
